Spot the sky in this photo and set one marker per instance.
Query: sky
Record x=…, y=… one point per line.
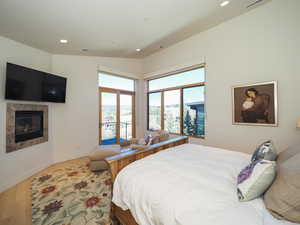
x=189, y=77
x=106, y=80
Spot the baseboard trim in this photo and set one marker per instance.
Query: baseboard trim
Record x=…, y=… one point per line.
x=9, y=182
x=66, y=157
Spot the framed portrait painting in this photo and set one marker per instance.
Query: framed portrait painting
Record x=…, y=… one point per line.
x=255, y=104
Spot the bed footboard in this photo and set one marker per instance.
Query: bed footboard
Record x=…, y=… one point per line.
x=118, y=162
x=125, y=217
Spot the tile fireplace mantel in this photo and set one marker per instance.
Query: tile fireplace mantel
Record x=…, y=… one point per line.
x=26, y=125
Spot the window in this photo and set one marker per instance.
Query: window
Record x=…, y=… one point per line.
x=193, y=111
x=125, y=117
x=115, y=82
x=172, y=111
x=154, y=111
x=180, y=79
x=179, y=99
x=117, y=109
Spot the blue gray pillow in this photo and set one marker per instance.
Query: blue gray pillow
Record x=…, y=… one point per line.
x=266, y=151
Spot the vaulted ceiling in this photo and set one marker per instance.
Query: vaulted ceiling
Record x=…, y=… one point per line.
x=113, y=28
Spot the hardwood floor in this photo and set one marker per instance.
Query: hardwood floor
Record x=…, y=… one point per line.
x=15, y=203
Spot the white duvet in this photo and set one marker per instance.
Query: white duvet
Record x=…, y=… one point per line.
x=188, y=185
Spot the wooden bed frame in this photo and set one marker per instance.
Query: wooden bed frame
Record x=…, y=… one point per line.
x=118, y=162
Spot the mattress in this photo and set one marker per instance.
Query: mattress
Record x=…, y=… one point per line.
x=188, y=185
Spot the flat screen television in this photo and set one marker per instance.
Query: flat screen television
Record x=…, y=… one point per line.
x=27, y=84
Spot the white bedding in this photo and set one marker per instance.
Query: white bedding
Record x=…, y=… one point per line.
x=188, y=185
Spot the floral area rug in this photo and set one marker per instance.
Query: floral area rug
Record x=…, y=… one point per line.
x=71, y=195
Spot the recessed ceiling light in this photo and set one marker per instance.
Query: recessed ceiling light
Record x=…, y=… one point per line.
x=224, y=3
x=63, y=41
x=138, y=49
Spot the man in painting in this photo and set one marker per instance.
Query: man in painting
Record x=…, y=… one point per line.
x=255, y=107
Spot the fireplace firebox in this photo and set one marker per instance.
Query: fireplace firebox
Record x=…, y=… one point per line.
x=28, y=125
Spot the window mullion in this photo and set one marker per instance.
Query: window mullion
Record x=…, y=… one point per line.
x=181, y=111
x=162, y=116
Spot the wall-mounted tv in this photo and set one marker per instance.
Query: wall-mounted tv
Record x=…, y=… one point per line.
x=27, y=84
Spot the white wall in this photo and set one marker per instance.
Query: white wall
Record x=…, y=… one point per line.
x=18, y=165
x=75, y=128
x=262, y=45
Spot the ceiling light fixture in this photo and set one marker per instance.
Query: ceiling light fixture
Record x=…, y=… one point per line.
x=224, y=3
x=63, y=41
x=138, y=49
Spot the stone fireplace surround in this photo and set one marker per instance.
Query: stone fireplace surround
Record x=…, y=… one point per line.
x=11, y=143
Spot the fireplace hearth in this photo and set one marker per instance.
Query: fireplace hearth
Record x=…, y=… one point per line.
x=27, y=125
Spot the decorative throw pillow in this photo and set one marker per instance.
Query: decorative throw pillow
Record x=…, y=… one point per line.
x=283, y=197
x=142, y=141
x=255, y=179
x=265, y=151
x=163, y=135
x=148, y=140
x=155, y=138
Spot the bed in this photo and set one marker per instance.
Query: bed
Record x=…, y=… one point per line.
x=186, y=185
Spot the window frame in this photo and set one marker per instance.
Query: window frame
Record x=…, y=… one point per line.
x=118, y=92
x=181, y=88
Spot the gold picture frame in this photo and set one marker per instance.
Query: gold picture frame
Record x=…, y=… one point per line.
x=255, y=104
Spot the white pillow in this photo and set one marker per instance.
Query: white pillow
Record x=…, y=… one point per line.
x=255, y=179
